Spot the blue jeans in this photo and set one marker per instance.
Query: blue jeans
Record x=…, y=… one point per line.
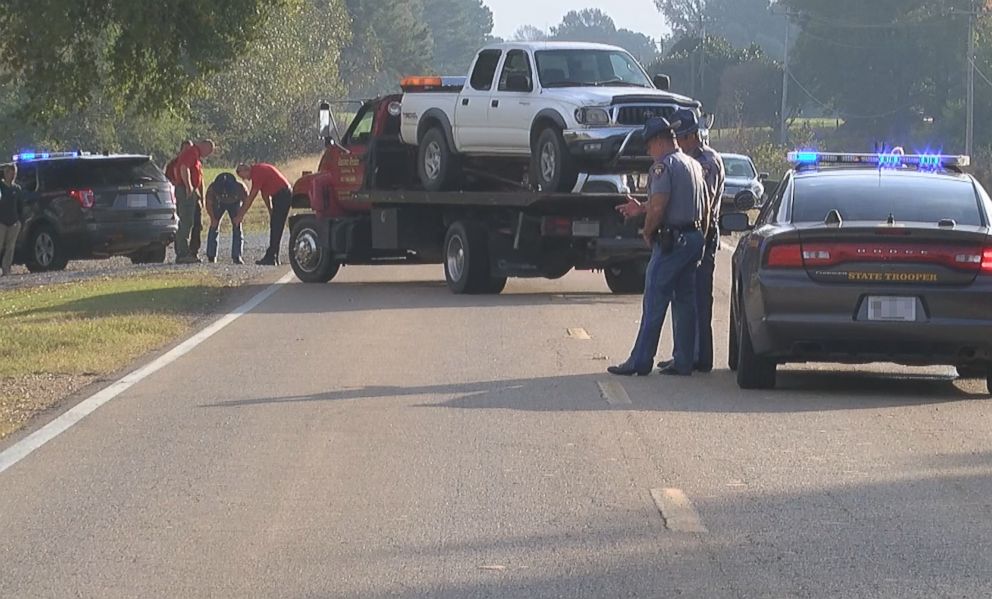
x=670, y=280
x=704, y=304
x=237, y=240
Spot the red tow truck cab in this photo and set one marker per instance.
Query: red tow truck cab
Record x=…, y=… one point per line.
x=367, y=207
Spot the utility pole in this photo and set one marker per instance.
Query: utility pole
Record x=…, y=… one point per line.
x=969, y=134
x=784, y=126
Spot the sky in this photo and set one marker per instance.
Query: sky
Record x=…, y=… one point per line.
x=636, y=15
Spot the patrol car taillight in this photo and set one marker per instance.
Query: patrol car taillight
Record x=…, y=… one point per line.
x=987, y=261
x=785, y=255
x=85, y=197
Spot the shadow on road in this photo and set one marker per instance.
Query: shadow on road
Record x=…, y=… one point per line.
x=798, y=391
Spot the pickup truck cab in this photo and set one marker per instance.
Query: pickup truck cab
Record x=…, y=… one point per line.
x=550, y=109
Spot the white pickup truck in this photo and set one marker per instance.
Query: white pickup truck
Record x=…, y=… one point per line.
x=553, y=108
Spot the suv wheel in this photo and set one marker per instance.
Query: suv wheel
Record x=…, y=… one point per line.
x=436, y=163
x=45, y=250
x=753, y=371
x=551, y=164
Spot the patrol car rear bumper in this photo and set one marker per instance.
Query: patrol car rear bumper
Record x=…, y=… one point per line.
x=606, y=149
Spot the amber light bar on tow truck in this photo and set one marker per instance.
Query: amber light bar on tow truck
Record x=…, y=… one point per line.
x=432, y=84
x=894, y=159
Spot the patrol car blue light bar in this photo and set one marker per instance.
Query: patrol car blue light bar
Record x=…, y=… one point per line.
x=886, y=160
x=28, y=156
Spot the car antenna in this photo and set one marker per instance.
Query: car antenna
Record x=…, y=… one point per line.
x=891, y=220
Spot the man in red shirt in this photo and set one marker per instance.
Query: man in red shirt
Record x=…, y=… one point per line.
x=172, y=173
x=276, y=191
x=189, y=196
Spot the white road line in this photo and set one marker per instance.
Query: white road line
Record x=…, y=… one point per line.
x=677, y=510
x=614, y=393
x=578, y=333
x=24, y=447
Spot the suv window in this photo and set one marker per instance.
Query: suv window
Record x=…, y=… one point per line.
x=870, y=196
x=99, y=173
x=517, y=63
x=485, y=69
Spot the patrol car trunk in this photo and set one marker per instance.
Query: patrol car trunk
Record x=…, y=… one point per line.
x=920, y=254
x=117, y=189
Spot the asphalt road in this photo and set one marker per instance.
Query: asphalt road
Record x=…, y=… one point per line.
x=380, y=437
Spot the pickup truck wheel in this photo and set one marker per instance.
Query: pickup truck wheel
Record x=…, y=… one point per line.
x=311, y=261
x=466, y=260
x=753, y=371
x=45, y=250
x=626, y=278
x=551, y=164
x=436, y=163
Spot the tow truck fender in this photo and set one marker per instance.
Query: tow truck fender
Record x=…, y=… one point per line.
x=436, y=115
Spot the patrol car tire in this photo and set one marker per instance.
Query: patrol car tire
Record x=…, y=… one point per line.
x=753, y=371
x=311, y=261
x=733, y=351
x=988, y=382
x=437, y=165
x=971, y=372
x=626, y=278
x=45, y=250
x=552, y=166
x=466, y=261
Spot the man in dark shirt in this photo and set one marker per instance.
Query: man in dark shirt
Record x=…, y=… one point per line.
x=11, y=214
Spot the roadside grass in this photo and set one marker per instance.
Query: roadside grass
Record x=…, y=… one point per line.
x=83, y=330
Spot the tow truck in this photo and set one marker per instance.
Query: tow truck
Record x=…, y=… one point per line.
x=365, y=205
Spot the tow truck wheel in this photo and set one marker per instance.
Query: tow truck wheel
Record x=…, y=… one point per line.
x=436, y=163
x=753, y=371
x=466, y=260
x=551, y=164
x=311, y=261
x=626, y=278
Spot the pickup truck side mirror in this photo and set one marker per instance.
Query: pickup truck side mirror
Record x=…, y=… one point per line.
x=518, y=83
x=763, y=176
x=662, y=82
x=735, y=222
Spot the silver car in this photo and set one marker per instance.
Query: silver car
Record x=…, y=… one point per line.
x=741, y=176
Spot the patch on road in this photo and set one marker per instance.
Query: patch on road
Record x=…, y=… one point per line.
x=614, y=393
x=578, y=333
x=677, y=511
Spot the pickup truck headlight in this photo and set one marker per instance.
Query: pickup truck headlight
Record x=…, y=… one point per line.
x=593, y=116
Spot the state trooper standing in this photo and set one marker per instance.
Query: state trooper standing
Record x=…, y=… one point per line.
x=691, y=142
x=673, y=228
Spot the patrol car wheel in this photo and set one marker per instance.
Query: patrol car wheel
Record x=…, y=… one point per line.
x=466, y=260
x=733, y=352
x=45, y=250
x=988, y=382
x=971, y=372
x=626, y=278
x=311, y=261
x=753, y=371
x=436, y=163
x=552, y=166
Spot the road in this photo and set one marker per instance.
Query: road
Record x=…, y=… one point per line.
x=380, y=437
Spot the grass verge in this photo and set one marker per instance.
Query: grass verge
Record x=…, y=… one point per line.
x=56, y=339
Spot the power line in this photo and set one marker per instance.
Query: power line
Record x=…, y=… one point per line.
x=844, y=115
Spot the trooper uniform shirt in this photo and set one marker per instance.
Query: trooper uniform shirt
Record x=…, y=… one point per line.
x=682, y=179
x=716, y=179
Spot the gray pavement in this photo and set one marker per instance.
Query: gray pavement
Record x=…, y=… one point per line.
x=379, y=437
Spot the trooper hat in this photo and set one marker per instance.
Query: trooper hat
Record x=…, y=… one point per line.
x=688, y=123
x=657, y=127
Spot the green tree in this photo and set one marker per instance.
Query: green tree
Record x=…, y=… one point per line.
x=529, y=33
x=458, y=27
x=389, y=40
x=141, y=56
x=594, y=25
x=740, y=22
x=264, y=106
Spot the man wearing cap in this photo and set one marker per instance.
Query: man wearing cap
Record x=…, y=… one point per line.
x=225, y=196
x=673, y=228
x=692, y=143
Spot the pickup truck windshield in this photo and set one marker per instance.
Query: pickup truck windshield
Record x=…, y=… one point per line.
x=589, y=68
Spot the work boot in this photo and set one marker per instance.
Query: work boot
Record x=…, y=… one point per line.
x=268, y=261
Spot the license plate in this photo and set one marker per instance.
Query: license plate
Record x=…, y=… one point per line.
x=892, y=309
x=135, y=200
x=585, y=228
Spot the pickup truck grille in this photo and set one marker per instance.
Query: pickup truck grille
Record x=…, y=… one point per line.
x=638, y=115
